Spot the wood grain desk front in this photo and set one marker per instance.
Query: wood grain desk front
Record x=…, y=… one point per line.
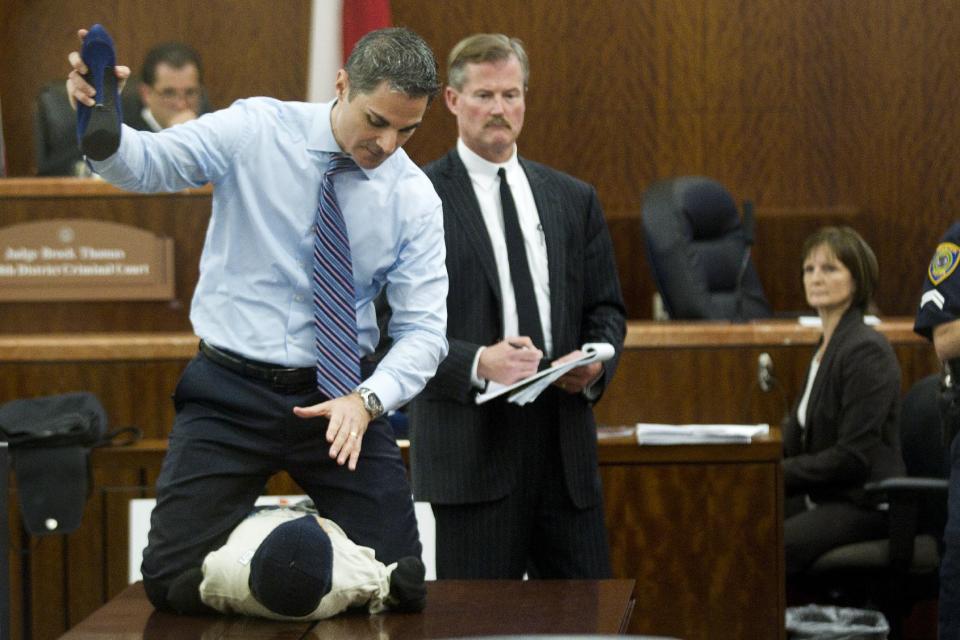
x=706, y=372
x=454, y=609
x=700, y=528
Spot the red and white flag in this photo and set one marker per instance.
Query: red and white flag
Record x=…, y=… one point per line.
x=336, y=27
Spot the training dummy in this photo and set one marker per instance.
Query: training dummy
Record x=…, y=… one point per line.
x=283, y=564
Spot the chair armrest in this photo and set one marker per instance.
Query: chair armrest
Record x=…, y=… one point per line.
x=906, y=498
x=907, y=485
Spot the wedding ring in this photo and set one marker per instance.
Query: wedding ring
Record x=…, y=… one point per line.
x=353, y=434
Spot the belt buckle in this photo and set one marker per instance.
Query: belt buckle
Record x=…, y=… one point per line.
x=287, y=380
x=276, y=377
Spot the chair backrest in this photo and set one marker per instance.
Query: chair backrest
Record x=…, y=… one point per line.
x=924, y=454
x=697, y=248
x=55, y=132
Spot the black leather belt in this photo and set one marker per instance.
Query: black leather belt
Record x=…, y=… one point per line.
x=280, y=378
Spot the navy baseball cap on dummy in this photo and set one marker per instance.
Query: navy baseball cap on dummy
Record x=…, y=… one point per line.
x=292, y=568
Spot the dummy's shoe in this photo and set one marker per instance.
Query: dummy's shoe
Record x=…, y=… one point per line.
x=98, y=127
x=408, y=592
x=183, y=595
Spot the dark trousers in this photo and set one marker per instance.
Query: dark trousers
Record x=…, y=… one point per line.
x=230, y=435
x=808, y=534
x=949, y=600
x=535, y=529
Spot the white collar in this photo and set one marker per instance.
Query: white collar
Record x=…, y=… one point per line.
x=482, y=171
x=147, y=116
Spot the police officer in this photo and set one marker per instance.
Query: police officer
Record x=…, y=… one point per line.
x=938, y=319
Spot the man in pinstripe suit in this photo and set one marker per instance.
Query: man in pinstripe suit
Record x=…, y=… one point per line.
x=514, y=489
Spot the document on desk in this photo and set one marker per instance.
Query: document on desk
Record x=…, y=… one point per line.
x=528, y=389
x=648, y=433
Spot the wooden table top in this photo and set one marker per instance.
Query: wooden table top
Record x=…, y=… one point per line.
x=455, y=608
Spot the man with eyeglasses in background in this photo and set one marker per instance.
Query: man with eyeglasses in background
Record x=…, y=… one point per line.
x=171, y=88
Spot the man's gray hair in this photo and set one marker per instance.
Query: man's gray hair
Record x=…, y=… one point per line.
x=484, y=47
x=397, y=56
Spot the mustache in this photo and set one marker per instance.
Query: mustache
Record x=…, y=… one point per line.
x=498, y=121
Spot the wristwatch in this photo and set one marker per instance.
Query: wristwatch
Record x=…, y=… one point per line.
x=370, y=402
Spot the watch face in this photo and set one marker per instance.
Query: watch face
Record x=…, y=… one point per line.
x=371, y=402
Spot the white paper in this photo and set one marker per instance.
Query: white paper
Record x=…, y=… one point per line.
x=649, y=433
x=814, y=321
x=528, y=389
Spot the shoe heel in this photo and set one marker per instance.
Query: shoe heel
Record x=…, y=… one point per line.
x=102, y=137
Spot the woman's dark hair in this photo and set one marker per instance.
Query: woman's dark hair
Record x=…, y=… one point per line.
x=855, y=254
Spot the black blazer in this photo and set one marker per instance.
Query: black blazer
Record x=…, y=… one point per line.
x=461, y=452
x=853, y=418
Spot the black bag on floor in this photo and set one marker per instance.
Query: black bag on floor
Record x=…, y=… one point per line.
x=50, y=438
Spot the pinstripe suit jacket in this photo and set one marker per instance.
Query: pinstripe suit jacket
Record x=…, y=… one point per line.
x=461, y=452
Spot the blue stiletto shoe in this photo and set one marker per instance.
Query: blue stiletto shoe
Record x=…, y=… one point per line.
x=98, y=127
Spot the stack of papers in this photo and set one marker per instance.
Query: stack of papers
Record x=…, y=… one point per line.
x=698, y=433
x=528, y=389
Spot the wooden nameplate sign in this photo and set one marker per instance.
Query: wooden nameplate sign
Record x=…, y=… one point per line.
x=77, y=260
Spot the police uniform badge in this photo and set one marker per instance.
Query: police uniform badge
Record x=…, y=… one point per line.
x=943, y=263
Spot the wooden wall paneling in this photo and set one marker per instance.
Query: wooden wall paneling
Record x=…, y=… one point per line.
x=644, y=508
x=746, y=575
x=49, y=600
x=678, y=93
x=635, y=510
x=116, y=503
x=85, y=563
x=123, y=477
x=633, y=267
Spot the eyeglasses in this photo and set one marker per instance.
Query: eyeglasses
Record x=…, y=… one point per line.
x=172, y=95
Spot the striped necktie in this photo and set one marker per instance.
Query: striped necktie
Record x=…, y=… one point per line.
x=334, y=302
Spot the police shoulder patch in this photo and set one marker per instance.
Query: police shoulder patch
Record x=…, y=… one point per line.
x=944, y=262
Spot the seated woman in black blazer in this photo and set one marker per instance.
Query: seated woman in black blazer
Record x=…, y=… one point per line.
x=843, y=432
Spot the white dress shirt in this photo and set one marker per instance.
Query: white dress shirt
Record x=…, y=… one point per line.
x=265, y=159
x=486, y=186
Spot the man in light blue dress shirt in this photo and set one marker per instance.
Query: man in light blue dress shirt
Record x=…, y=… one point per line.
x=248, y=405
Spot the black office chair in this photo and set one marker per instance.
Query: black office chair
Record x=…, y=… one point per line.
x=55, y=132
x=699, y=251
x=895, y=572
